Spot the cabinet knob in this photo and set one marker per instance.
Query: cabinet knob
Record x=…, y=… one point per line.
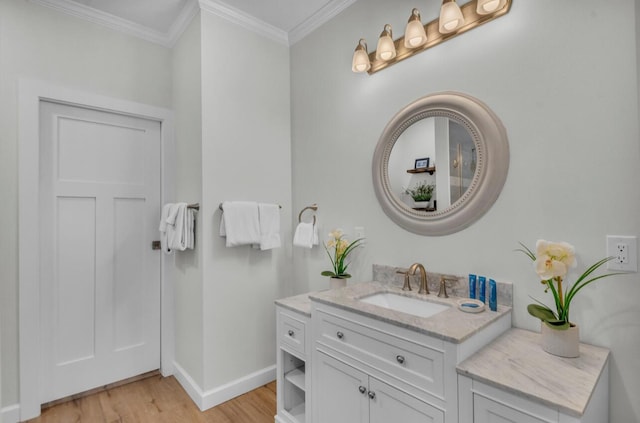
x=400, y=359
x=372, y=394
x=340, y=335
x=291, y=333
x=362, y=389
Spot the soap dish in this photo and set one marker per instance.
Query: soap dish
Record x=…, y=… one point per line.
x=469, y=305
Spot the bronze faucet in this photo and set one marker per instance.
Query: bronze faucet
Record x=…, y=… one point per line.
x=424, y=289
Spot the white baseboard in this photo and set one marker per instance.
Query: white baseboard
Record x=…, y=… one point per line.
x=212, y=397
x=10, y=414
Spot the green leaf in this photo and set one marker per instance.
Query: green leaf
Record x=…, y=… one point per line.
x=545, y=314
x=328, y=273
x=527, y=251
x=557, y=324
x=541, y=312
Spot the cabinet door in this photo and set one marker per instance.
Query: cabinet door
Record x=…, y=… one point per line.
x=392, y=405
x=341, y=392
x=487, y=411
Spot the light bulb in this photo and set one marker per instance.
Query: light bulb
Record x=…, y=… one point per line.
x=361, y=61
x=450, y=17
x=414, y=34
x=386, y=48
x=485, y=7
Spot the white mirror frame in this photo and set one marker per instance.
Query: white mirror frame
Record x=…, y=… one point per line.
x=492, y=149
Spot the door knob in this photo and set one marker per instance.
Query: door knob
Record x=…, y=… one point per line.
x=362, y=389
x=372, y=394
x=400, y=359
x=340, y=335
x=291, y=333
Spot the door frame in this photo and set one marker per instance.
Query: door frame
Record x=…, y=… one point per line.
x=30, y=94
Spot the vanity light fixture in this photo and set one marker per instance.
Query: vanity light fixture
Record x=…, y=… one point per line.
x=386, y=48
x=451, y=17
x=414, y=33
x=361, y=61
x=453, y=21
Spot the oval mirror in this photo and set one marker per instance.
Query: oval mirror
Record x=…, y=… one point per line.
x=440, y=163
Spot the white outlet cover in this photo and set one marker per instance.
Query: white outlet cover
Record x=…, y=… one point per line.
x=632, y=250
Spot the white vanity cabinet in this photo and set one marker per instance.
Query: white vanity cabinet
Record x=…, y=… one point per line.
x=346, y=394
x=366, y=370
x=514, y=380
x=293, y=378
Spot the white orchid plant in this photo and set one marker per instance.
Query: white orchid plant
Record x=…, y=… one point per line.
x=340, y=250
x=552, y=261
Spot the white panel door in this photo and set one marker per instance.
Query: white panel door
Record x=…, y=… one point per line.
x=392, y=405
x=341, y=392
x=100, y=280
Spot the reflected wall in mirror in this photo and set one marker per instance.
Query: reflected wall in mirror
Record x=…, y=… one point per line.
x=468, y=154
x=452, y=162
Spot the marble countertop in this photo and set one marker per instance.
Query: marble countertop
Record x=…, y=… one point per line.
x=298, y=303
x=451, y=325
x=515, y=362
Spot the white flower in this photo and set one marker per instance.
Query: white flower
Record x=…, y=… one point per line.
x=553, y=259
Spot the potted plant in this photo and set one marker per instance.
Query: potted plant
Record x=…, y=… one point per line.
x=552, y=261
x=338, y=249
x=421, y=194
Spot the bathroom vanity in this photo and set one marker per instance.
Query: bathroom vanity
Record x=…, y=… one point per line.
x=513, y=380
x=348, y=356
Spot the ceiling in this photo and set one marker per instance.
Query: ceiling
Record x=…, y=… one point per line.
x=163, y=21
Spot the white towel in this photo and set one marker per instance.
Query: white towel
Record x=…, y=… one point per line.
x=164, y=241
x=240, y=223
x=180, y=227
x=269, y=215
x=304, y=235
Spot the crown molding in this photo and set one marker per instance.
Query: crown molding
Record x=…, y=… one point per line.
x=322, y=16
x=245, y=20
x=182, y=22
x=190, y=10
x=106, y=19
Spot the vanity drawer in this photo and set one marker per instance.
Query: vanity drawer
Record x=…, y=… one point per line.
x=409, y=361
x=292, y=331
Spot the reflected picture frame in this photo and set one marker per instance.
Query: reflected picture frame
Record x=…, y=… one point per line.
x=422, y=163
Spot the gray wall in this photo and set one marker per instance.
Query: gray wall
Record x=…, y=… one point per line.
x=187, y=104
x=38, y=43
x=562, y=77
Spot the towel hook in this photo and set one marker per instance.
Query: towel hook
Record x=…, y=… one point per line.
x=313, y=207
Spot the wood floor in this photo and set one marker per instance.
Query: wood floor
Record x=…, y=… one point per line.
x=161, y=400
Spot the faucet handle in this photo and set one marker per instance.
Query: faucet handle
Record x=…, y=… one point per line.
x=443, y=288
x=407, y=284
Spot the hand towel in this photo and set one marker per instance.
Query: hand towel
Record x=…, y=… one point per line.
x=164, y=241
x=178, y=227
x=304, y=235
x=269, y=215
x=240, y=223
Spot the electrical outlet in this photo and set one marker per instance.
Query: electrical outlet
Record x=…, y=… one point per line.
x=623, y=249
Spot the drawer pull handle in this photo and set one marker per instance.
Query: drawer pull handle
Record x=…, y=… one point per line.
x=400, y=359
x=372, y=395
x=291, y=333
x=362, y=389
x=340, y=335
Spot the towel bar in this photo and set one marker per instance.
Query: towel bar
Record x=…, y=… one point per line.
x=195, y=206
x=313, y=207
x=220, y=206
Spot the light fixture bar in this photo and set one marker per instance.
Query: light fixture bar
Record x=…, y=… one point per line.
x=434, y=37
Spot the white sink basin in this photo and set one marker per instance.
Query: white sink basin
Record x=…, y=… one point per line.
x=410, y=305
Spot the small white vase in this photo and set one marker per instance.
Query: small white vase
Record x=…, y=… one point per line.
x=336, y=283
x=563, y=343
